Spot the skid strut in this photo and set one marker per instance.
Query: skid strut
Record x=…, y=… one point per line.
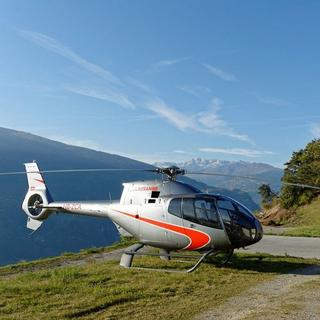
x=128, y=255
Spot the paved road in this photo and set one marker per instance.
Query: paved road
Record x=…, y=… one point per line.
x=292, y=246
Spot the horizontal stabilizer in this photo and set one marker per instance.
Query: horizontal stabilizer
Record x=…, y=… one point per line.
x=33, y=224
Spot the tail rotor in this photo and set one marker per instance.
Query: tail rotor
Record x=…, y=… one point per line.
x=36, y=199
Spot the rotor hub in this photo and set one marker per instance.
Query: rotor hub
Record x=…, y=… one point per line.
x=171, y=172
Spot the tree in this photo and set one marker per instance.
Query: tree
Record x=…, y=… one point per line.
x=265, y=193
x=303, y=168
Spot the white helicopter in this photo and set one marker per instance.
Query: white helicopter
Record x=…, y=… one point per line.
x=165, y=214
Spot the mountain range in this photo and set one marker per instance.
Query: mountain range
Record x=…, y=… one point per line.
x=64, y=232
x=264, y=173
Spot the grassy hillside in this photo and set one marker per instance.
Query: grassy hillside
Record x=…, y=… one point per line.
x=302, y=221
x=103, y=290
x=307, y=222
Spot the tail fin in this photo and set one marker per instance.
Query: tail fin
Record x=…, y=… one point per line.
x=36, y=198
x=35, y=180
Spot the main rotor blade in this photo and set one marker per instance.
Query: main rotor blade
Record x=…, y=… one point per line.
x=77, y=170
x=223, y=175
x=301, y=185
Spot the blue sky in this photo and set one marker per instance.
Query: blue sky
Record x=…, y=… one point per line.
x=164, y=80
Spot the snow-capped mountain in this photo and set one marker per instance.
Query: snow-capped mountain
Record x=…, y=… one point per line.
x=262, y=171
x=222, y=166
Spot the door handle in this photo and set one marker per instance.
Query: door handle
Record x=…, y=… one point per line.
x=192, y=225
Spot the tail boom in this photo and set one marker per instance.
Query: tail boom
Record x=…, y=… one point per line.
x=38, y=204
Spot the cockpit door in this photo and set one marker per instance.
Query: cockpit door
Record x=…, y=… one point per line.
x=198, y=220
x=176, y=239
x=197, y=217
x=189, y=215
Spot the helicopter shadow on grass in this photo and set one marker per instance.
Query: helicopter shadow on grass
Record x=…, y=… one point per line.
x=249, y=263
x=270, y=264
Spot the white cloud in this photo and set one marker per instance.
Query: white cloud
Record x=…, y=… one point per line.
x=173, y=116
x=107, y=94
x=139, y=84
x=197, y=91
x=238, y=151
x=165, y=63
x=315, y=130
x=55, y=46
x=223, y=75
x=272, y=101
x=112, y=88
x=212, y=122
x=182, y=152
x=209, y=122
x=143, y=117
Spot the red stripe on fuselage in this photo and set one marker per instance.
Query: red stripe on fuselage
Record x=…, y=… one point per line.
x=198, y=239
x=41, y=181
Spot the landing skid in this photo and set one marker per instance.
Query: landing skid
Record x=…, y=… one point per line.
x=132, y=251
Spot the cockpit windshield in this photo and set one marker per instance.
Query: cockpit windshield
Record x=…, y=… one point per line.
x=218, y=212
x=238, y=221
x=198, y=210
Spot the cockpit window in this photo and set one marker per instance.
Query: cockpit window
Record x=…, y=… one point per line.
x=175, y=207
x=244, y=210
x=226, y=209
x=188, y=210
x=201, y=209
x=244, y=217
x=198, y=210
x=206, y=212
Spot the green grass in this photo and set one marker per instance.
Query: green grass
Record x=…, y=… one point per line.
x=308, y=221
x=59, y=260
x=303, y=231
x=103, y=290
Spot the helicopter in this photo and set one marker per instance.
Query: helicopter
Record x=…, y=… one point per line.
x=166, y=214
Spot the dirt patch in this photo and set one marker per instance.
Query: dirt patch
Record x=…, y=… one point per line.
x=277, y=216
x=280, y=298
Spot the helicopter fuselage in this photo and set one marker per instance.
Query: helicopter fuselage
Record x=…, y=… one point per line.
x=173, y=215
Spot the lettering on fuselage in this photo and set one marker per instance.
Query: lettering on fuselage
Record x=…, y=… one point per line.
x=146, y=188
x=72, y=206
